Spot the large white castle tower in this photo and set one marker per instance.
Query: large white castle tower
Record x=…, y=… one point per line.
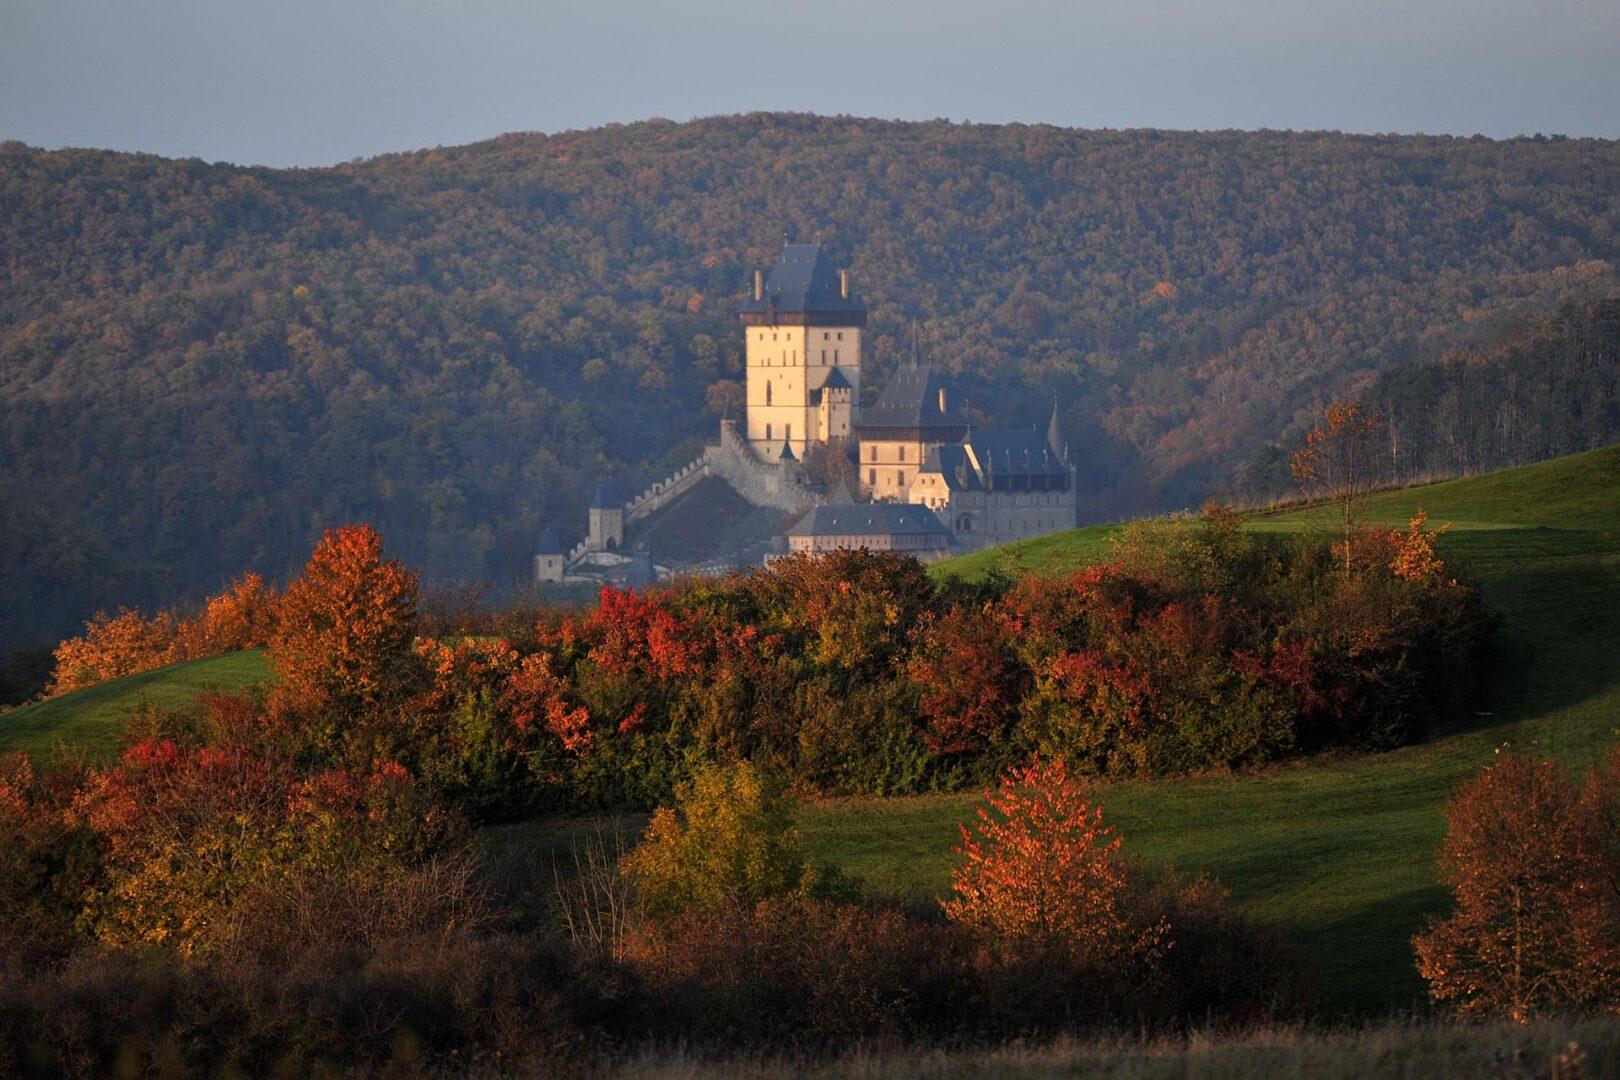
x=803, y=327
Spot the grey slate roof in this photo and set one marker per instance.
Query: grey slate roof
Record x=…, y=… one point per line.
x=951, y=461
x=550, y=543
x=803, y=280
x=992, y=458
x=1006, y=453
x=829, y=379
x=787, y=453
x=869, y=519
x=911, y=400
x=606, y=498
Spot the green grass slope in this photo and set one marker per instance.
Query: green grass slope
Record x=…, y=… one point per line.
x=1342, y=852
x=92, y=719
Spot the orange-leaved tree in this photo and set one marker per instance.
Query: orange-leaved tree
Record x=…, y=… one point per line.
x=241, y=617
x=1533, y=865
x=343, y=641
x=1340, y=462
x=1044, y=869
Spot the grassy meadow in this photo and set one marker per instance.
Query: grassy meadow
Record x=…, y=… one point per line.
x=91, y=720
x=1338, y=851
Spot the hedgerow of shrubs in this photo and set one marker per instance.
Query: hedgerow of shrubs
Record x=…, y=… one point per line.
x=1195, y=645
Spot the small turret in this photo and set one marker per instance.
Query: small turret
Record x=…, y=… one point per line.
x=606, y=520
x=548, y=557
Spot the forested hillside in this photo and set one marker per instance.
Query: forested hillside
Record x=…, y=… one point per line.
x=1534, y=388
x=202, y=365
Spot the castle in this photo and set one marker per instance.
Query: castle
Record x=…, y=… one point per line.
x=802, y=327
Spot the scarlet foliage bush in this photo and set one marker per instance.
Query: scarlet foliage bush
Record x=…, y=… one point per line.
x=1534, y=865
x=1070, y=929
x=968, y=684
x=342, y=647
x=1041, y=867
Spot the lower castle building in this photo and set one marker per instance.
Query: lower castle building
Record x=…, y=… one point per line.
x=843, y=524
x=995, y=487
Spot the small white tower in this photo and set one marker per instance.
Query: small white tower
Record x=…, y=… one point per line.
x=548, y=558
x=606, y=521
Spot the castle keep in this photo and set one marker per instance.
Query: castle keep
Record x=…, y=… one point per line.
x=803, y=329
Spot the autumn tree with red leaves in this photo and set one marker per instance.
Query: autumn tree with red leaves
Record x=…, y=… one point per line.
x=1533, y=865
x=343, y=645
x=1041, y=867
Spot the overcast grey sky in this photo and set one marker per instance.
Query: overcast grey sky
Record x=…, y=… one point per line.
x=317, y=81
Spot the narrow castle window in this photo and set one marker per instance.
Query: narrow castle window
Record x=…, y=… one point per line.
x=767, y=396
x=788, y=435
x=902, y=453
x=767, y=433
x=871, y=477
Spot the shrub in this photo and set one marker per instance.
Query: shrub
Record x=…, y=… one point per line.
x=803, y=974
x=968, y=682
x=185, y=834
x=728, y=842
x=1076, y=934
x=48, y=859
x=112, y=646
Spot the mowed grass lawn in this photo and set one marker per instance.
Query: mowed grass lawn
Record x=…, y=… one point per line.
x=1339, y=852
x=92, y=719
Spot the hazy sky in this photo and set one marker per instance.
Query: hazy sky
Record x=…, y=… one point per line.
x=318, y=81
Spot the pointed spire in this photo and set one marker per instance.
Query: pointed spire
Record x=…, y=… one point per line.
x=787, y=453
x=1054, y=434
x=841, y=495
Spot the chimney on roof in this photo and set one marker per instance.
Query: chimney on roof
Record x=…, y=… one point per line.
x=759, y=284
x=843, y=284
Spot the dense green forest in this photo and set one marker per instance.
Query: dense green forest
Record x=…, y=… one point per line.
x=1535, y=387
x=203, y=365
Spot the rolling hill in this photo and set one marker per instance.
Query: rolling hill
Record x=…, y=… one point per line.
x=92, y=719
x=202, y=366
x=1339, y=851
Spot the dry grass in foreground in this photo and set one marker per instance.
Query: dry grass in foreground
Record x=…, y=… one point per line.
x=1556, y=1050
